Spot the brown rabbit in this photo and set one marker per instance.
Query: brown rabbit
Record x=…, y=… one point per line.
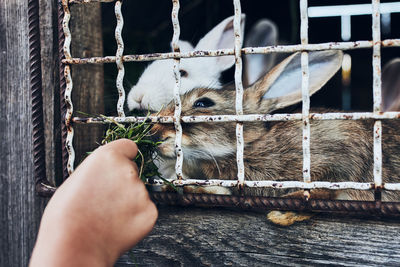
x=341, y=150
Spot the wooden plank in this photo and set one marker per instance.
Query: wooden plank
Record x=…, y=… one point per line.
x=20, y=208
x=50, y=83
x=88, y=80
x=215, y=237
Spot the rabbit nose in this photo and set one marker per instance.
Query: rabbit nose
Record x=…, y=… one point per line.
x=139, y=98
x=136, y=102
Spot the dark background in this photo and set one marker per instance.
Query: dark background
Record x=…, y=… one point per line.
x=148, y=29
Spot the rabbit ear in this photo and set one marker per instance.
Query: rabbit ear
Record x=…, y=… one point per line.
x=391, y=86
x=264, y=33
x=184, y=46
x=221, y=37
x=281, y=87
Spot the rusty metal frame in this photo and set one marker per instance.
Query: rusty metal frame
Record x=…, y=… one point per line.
x=258, y=203
x=230, y=52
x=177, y=99
x=42, y=184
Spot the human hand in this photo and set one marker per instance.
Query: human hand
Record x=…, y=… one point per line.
x=100, y=211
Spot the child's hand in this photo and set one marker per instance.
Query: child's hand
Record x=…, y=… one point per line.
x=99, y=212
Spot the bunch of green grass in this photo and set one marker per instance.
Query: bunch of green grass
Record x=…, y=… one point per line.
x=138, y=132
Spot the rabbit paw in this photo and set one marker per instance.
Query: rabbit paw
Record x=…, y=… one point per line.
x=217, y=190
x=286, y=218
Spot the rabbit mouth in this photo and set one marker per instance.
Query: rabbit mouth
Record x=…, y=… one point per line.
x=166, y=147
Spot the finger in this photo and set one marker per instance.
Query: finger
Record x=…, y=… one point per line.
x=143, y=222
x=125, y=147
x=135, y=173
x=135, y=166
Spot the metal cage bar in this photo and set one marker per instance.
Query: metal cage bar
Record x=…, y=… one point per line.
x=281, y=184
x=268, y=203
x=118, y=59
x=230, y=52
x=351, y=10
x=239, y=93
x=246, y=117
x=177, y=98
x=68, y=89
x=377, y=86
x=63, y=83
x=42, y=185
x=305, y=93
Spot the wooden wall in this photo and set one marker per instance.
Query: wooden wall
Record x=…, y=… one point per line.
x=20, y=208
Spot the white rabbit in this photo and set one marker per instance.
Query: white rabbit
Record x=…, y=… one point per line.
x=391, y=86
x=155, y=87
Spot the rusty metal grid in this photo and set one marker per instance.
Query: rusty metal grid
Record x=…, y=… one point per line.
x=382, y=208
x=177, y=99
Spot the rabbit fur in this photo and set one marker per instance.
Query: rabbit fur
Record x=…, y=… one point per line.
x=154, y=88
x=341, y=150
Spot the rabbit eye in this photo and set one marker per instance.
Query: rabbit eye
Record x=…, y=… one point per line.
x=203, y=103
x=183, y=73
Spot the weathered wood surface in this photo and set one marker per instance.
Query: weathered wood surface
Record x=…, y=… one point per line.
x=216, y=237
x=51, y=100
x=20, y=209
x=88, y=80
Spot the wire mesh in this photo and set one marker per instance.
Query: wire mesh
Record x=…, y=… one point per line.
x=239, y=118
